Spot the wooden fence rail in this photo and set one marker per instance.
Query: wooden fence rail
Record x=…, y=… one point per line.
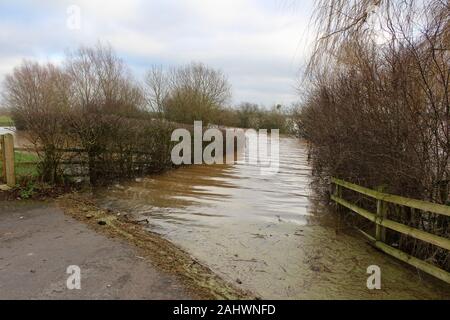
x=381, y=220
x=7, y=158
x=7, y=155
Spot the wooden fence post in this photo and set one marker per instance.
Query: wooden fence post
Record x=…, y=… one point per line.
x=338, y=193
x=3, y=156
x=380, y=233
x=383, y=223
x=8, y=164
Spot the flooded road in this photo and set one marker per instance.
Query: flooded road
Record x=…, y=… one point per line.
x=264, y=233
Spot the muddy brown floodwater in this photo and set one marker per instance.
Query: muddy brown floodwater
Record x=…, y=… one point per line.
x=264, y=233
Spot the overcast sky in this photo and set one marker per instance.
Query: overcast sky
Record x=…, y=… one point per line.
x=260, y=44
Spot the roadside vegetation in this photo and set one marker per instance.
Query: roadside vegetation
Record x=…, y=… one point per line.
x=376, y=106
x=29, y=185
x=92, y=106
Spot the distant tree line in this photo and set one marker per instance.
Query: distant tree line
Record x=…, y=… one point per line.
x=195, y=92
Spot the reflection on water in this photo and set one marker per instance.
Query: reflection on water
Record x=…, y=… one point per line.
x=202, y=194
x=258, y=231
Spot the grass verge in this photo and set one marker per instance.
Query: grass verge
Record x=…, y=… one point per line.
x=25, y=165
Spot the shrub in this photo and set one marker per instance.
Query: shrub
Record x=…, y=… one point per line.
x=377, y=109
x=90, y=104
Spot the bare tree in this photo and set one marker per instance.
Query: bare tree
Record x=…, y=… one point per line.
x=37, y=95
x=188, y=93
x=102, y=94
x=157, y=88
x=377, y=108
x=91, y=104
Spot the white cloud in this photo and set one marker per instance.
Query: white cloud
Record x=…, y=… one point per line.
x=260, y=44
x=135, y=43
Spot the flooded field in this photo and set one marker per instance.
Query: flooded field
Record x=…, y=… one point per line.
x=20, y=137
x=265, y=233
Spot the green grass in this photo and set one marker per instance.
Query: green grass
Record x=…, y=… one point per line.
x=22, y=169
x=6, y=121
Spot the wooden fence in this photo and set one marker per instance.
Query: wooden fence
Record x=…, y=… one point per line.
x=75, y=162
x=381, y=220
x=10, y=164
